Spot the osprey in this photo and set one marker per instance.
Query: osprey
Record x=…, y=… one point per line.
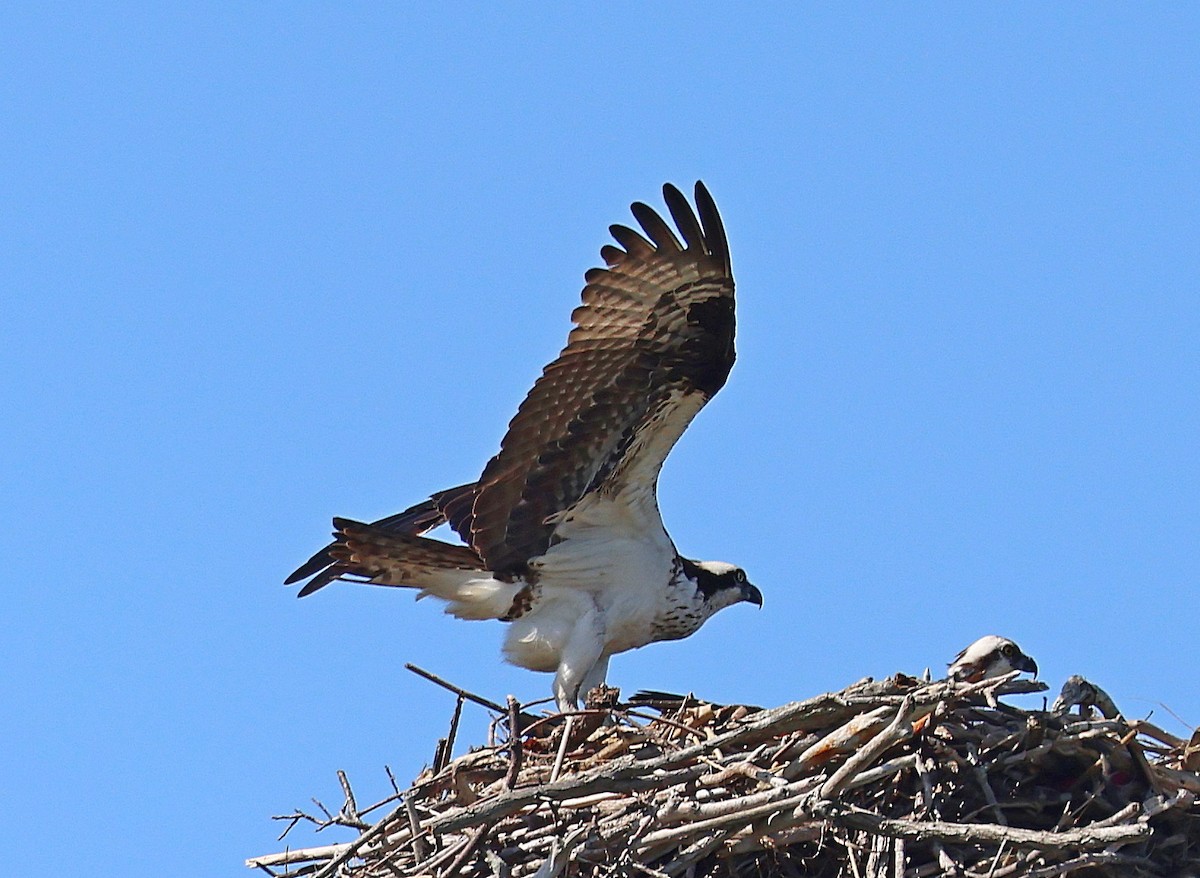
x=990, y=656
x=564, y=540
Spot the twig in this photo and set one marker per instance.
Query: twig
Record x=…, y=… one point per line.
x=996, y=860
x=976, y=833
x=349, y=816
x=514, y=743
x=468, y=850
x=420, y=845
x=440, y=757
x=562, y=748
x=358, y=844
x=985, y=785
x=448, y=751
x=686, y=729
x=899, y=729
x=457, y=690
x=463, y=693
x=531, y=724
x=299, y=855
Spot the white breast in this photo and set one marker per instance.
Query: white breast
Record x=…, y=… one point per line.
x=612, y=567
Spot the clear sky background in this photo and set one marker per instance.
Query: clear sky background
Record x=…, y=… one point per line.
x=267, y=263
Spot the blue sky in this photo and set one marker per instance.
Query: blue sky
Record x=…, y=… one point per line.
x=270, y=263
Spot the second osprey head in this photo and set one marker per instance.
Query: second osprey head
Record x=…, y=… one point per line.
x=990, y=656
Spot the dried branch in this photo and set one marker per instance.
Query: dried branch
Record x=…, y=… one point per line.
x=514, y=743
x=463, y=693
x=987, y=833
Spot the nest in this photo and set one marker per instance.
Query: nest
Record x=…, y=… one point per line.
x=901, y=777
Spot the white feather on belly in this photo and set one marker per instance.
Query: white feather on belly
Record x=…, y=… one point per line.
x=538, y=639
x=602, y=585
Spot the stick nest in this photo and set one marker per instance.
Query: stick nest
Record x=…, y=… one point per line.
x=900, y=777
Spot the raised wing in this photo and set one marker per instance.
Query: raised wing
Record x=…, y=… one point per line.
x=653, y=341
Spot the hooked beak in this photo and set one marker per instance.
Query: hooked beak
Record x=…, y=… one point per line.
x=1025, y=663
x=752, y=595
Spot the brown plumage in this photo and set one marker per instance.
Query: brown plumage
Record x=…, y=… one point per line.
x=324, y=567
x=657, y=321
x=365, y=547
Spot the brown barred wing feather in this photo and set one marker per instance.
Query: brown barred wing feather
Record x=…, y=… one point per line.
x=652, y=342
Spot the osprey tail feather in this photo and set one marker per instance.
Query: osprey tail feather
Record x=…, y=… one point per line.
x=451, y=505
x=453, y=573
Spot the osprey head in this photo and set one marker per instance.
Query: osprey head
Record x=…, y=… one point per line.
x=990, y=656
x=722, y=585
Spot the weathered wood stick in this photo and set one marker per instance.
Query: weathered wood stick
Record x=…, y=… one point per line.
x=1084, y=837
x=299, y=855
x=896, y=731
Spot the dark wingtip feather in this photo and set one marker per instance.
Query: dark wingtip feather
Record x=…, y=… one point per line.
x=684, y=216
x=320, y=581
x=315, y=564
x=416, y=519
x=323, y=566
x=655, y=226
x=714, y=229
x=611, y=256
x=635, y=245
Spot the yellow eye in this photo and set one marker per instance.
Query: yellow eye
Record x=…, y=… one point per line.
x=1009, y=650
x=740, y=576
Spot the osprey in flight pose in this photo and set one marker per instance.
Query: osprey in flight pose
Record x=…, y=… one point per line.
x=564, y=540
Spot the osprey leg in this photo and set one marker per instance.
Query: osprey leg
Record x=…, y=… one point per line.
x=594, y=677
x=581, y=656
